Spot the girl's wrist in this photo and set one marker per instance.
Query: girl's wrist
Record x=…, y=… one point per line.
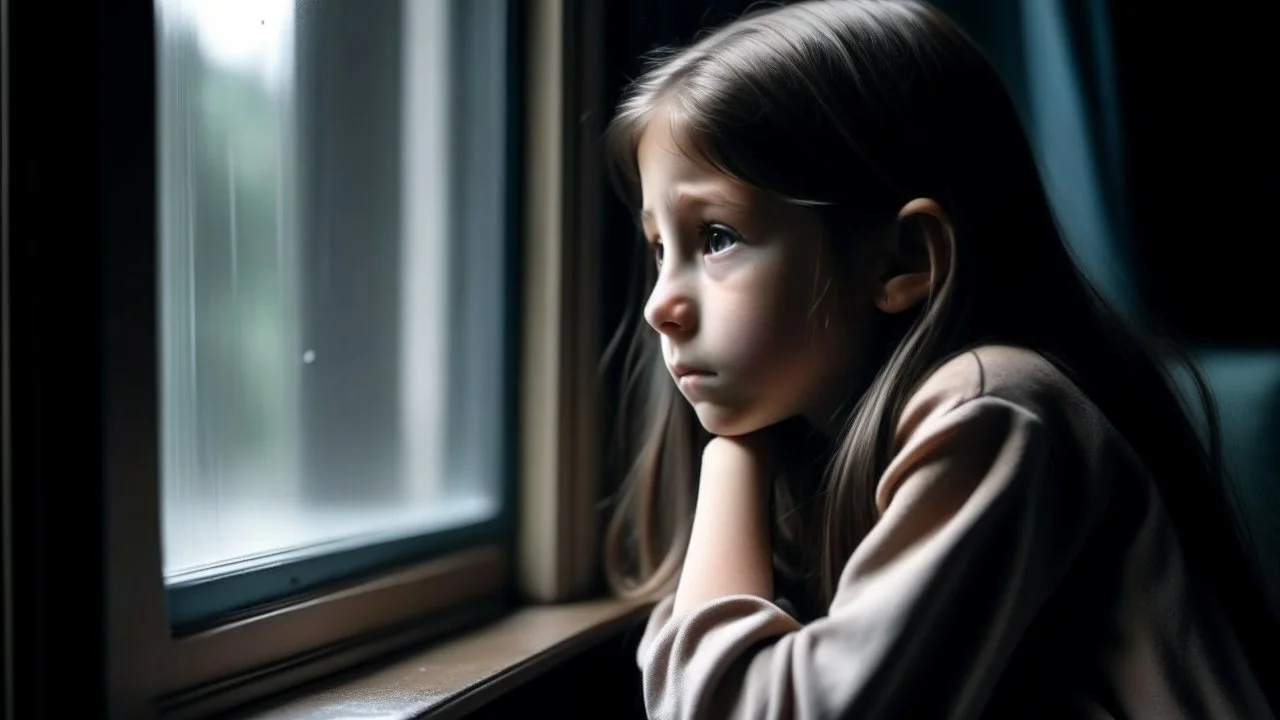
x=745, y=459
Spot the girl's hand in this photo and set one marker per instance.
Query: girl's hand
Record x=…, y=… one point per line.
x=744, y=459
x=760, y=453
x=729, y=548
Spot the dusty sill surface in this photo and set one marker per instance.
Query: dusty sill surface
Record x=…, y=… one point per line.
x=460, y=675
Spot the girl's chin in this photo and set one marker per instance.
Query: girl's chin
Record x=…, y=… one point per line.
x=730, y=422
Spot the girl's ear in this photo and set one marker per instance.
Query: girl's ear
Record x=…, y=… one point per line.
x=918, y=256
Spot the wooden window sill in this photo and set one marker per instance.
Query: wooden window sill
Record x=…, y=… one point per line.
x=462, y=674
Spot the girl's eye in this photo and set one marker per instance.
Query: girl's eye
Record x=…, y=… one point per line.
x=720, y=238
x=657, y=253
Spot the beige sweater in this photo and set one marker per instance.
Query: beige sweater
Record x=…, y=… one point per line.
x=1022, y=566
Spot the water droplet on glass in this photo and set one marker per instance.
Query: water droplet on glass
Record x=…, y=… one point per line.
x=309, y=357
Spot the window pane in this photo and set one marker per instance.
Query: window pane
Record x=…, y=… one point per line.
x=332, y=276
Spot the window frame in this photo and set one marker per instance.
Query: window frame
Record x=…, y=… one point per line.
x=81, y=417
x=149, y=669
x=560, y=459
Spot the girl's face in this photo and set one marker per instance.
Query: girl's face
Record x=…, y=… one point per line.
x=751, y=329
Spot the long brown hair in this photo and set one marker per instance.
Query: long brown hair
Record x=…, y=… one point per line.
x=854, y=108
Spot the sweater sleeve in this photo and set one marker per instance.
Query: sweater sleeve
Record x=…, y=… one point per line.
x=975, y=532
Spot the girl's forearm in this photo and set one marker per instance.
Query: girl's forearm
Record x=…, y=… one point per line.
x=729, y=549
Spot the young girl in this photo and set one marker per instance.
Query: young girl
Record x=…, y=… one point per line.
x=936, y=475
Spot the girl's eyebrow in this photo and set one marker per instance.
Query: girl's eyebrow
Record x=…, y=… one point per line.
x=689, y=197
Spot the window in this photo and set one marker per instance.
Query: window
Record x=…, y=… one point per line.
x=209, y=352
x=309, y=432
x=333, y=276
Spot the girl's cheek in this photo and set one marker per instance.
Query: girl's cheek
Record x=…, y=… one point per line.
x=747, y=334
x=749, y=312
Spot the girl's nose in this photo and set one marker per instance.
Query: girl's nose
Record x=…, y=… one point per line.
x=671, y=310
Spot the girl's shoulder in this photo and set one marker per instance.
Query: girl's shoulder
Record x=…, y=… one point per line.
x=991, y=398
x=1012, y=374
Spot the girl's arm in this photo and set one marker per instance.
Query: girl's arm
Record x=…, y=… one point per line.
x=977, y=528
x=729, y=549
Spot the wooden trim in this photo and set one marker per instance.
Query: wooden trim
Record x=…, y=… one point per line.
x=152, y=671
x=278, y=651
x=537, y=571
x=582, y=442
x=559, y=448
x=461, y=675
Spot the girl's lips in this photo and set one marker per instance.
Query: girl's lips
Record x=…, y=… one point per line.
x=692, y=380
x=682, y=371
x=693, y=384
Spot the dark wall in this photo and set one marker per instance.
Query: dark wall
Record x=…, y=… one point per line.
x=56, y=273
x=1199, y=112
